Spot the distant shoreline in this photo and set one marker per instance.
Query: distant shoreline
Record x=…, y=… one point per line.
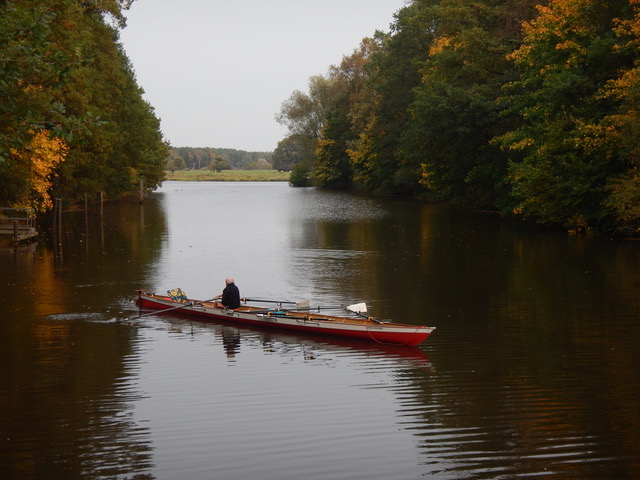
x=228, y=176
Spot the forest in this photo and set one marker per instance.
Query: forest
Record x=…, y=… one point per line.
x=217, y=159
x=73, y=121
x=527, y=107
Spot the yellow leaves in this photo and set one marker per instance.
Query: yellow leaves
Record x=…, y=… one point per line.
x=513, y=141
x=40, y=158
x=440, y=44
x=324, y=143
x=521, y=145
x=570, y=45
x=631, y=27
x=426, y=176
x=560, y=25
x=624, y=199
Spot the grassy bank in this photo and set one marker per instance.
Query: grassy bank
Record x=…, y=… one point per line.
x=229, y=176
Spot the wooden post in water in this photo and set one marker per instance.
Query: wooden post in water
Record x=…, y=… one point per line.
x=55, y=214
x=16, y=238
x=101, y=218
x=100, y=200
x=141, y=194
x=86, y=224
x=59, y=202
x=57, y=228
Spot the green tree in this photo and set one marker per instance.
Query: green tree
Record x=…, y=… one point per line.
x=559, y=173
x=304, y=113
x=301, y=175
x=456, y=113
x=333, y=167
x=30, y=70
x=173, y=163
x=65, y=72
x=292, y=150
x=619, y=133
x=393, y=75
x=259, y=164
x=219, y=163
x=342, y=124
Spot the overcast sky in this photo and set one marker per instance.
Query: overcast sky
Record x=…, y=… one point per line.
x=217, y=71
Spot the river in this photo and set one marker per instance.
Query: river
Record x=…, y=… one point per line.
x=533, y=370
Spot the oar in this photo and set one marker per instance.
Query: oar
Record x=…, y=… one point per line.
x=182, y=305
x=318, y=308
x=300, y=304
x=358, y=308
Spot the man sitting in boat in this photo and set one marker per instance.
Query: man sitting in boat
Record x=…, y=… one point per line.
x=230, y=297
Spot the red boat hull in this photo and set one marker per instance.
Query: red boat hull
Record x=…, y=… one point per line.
x=384, y=333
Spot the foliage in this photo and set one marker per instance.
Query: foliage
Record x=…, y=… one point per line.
x=620, y=131
x=260, y=164
x=196, y=158
x=303, y=114
x=461, y=83
x=393, y=75
x=342, y=123
x=229, y=176
x=175, y=163
x=301, y=175
x=217, y=164
x=568, y=57
x=35, y=167
x=531, y=107
x=292, y=150
x=64, y=72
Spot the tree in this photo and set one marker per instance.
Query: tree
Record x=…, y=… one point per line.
x=342, y=124
x=35, y=169
x=173, y=163
x=333, y=167
x=393, y=75
x=64, y=72
x=30, y=70
x=569, y=55
x=456, y=113
x=619, y=133
x=292, y=150
x=301, y=175
x=219, y=163
x=259, y=164
x=304, y=113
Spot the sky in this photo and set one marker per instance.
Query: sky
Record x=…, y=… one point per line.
x=217, y=71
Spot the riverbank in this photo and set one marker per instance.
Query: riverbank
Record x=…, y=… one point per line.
x=228, y=176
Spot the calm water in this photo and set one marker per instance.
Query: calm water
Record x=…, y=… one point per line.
x=533, y=371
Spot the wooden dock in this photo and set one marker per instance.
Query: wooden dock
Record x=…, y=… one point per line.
x=17, y=225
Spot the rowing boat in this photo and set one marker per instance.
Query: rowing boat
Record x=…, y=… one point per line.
x=355, y=325
x=352, y=325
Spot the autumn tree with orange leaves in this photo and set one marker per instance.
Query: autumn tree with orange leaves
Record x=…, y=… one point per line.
x=36, y=168
x=530, y=107
x=72, y=119
x=569, y=57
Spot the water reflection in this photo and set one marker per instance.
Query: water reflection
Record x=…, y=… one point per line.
x=532, y=372
x=232, y=337
x=69, y=383
x=67, y=401
x=284, y=406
